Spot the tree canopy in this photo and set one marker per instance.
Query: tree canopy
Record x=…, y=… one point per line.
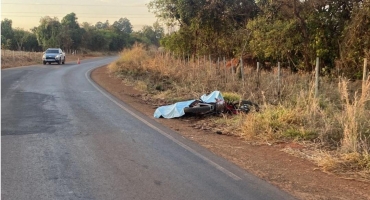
x=291, y=31
x=204, y=25
x=68, y=34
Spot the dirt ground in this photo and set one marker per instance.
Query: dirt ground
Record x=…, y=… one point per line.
x=297, y=176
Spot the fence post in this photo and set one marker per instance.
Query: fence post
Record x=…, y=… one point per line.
x=317, y=74
x=218, y=66
x=193, y=64
x=364, y=77
x=198, y=69
x=242, y=70
x=210, y=65
x=225, y=69
x=232, y=70
x=164, y=57
x=258, y=75
x=279, y=79
x=204, y=61
x=188, y=61
x=183, y=57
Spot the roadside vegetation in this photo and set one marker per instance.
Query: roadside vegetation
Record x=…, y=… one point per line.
x=335, y=126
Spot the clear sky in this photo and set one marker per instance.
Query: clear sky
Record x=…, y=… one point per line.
x=26, y=14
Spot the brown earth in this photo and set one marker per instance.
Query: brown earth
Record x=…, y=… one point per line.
x=298, y=176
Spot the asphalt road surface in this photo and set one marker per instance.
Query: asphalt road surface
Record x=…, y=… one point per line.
x=63, y=137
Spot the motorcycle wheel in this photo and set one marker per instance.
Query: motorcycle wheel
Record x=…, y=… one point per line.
x=201, y=109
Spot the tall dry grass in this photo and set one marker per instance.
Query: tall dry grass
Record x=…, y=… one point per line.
x=355, y=118
x=337, y=120
x=19, y=58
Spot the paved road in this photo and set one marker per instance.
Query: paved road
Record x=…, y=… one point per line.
x=63, y=137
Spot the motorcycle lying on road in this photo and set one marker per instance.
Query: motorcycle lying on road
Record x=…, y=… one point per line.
x=221, y=106
x=213, y=103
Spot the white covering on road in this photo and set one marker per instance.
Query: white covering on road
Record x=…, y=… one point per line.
x=177, y=109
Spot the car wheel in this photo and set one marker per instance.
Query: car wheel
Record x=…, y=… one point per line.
x=49, y=63
x=64, y=61
x=58, y=62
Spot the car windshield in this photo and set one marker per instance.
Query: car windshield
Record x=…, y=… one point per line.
x=52, y=51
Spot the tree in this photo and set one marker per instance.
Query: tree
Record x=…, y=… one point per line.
x=20, y=37
x=7, y=34
x=273, y=40
x=123, y=25
x=48, y=32
x=159, y=32
x=101, y=25
x=205, y=25
x=31, y=43
x=317, y=29
x=71, y=33
x=356, y=41
x=150, y=35
x=95, y=39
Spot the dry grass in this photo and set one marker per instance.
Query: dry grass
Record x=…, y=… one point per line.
x=231, y=97
x=354, y=118
x=336, y=121
x=19, y=58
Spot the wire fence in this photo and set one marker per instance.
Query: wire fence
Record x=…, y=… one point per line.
x=253, y=80
x=12, y=55
x=29, y=54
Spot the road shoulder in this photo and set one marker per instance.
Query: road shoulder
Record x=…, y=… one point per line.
x=297, y=176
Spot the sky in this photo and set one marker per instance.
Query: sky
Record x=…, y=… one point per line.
x=26, y=14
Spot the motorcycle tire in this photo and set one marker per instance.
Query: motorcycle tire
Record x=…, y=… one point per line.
x=201, y=109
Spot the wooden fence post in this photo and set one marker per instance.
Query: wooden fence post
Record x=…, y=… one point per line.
x=258, y=75
x=164, y=57
x=204, y=61
x=183, y=57
x=364, y=77
x=317, y=74
x=225, y=69
x=198, y=69
x=193, y=64
x=210, y=65
x=242, y=70
x=218, y=66
x=279, y=79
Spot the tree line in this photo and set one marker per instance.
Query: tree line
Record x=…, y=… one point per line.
x=294, y=32
x=68, y=34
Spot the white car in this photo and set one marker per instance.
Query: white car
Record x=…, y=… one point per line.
x=54, y=55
